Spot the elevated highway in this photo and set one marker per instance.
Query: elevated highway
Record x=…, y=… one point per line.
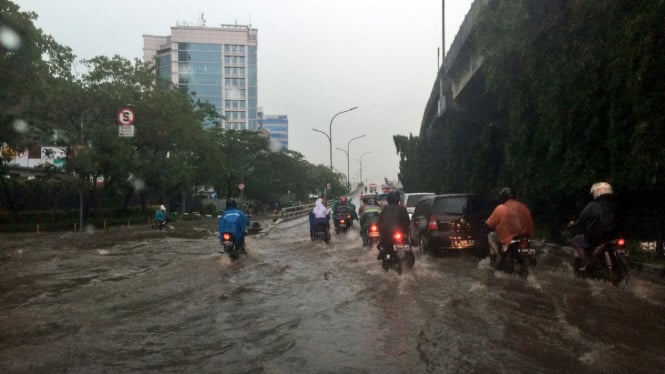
x=459, y=88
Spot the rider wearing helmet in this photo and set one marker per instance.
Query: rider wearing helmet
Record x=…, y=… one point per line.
x=509, y=219
x=343, y=204
x=393, y=217
x=369, y=212
x=234, y=221
x=598, y=222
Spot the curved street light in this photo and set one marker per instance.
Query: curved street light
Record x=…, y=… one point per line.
x=360, y=161
x=329, y=134
x=348, y=166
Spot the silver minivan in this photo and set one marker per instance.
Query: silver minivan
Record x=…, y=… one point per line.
x=410, y=199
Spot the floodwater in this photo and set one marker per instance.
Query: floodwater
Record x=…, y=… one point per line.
x=136, y=300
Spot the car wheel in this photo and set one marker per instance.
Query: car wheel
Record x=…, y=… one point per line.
x=423, y=244
x=413, y=241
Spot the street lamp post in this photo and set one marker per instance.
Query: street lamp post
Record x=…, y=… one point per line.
x=360, y=161
x=329, y=134
x=348, y=166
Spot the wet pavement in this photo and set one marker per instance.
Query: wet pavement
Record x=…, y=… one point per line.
x=137, y=300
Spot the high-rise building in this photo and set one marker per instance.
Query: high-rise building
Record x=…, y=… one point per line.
x=218, y=64
x=276, y=126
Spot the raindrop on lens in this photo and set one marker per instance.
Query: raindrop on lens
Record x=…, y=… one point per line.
x=9, y=38
x=20, y=126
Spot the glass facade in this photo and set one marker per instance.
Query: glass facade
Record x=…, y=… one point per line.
x=277, y=126
x=220, y=73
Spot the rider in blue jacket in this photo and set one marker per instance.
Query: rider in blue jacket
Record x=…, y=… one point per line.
x=234, y=221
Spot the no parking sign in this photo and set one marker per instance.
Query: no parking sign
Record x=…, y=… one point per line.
x=125, y=117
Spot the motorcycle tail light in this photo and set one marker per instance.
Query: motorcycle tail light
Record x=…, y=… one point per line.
x=398, y=237
x=373, y=228
x=524, y=243
x=226, y=236
x=621, y=242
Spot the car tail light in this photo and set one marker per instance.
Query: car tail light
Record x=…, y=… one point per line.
x=398, y=237
x=621, y=242
x=226, y=236
x=432, y=225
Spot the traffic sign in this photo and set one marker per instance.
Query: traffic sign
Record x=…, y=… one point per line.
x=241, y=186
x=125, y=116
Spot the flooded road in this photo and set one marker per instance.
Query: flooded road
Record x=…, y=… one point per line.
x=135, y=300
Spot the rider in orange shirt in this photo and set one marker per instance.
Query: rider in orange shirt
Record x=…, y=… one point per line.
x=509, y=219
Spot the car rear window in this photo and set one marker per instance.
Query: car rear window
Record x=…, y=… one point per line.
x=412, y=200
x=456, y=205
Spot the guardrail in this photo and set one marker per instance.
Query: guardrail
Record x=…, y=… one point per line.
x=292, y=212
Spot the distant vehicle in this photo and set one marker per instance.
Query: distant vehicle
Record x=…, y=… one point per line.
x=448, y=222
x=410, y=199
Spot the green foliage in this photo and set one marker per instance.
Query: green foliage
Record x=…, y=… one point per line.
x=578, y=87
x=170, y=156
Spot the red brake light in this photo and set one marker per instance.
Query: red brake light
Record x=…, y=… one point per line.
x=226, y=236
x=341, y=221
x=621, y=242
x=373, y=228
x=524, y=243
x=398, y=237
x=432, y=225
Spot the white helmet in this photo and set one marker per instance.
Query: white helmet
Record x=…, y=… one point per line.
x=601, y=188
x=162, y=207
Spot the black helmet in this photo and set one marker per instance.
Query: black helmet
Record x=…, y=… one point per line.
x=231, y=203
x=393, y=197
x=505, y=194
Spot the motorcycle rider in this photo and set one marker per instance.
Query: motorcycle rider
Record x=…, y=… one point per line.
x=598, y=222
x=343, y=202
x=509, y=219
x=161, y=216
x=369, y=212
x=234, y=221
x=318, y=214
x=393, y=217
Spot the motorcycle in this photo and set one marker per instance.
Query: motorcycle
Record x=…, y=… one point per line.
x=321, y=232
x=342, y=220
x=229, y=245
x=160, y=225
x=519, y=251
x=609, y=260
x=373, y=233
x=398, y=253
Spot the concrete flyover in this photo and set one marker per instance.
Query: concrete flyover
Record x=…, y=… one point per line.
x=459, y=87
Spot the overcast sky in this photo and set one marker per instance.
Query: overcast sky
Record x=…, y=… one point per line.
x=315, y=58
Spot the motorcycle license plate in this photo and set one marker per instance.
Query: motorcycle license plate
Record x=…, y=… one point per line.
x=401, y=247
x=342, y=225
x=373, y=234
x=227, y=244
x=527, y=251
